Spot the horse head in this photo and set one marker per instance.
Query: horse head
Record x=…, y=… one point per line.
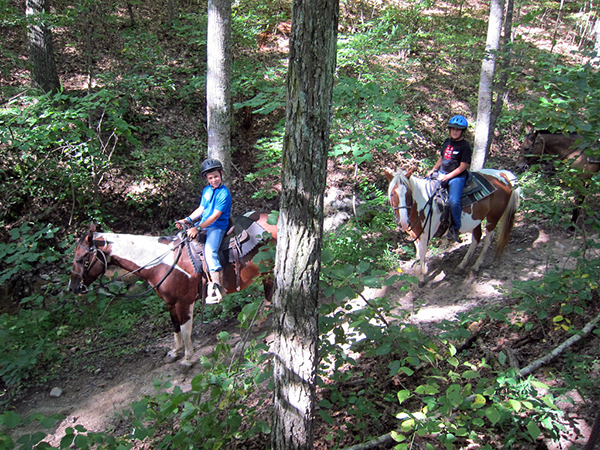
x=528, y=149
x=89, y=263
x=400, y=197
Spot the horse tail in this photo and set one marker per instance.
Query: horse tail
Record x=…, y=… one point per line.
x=507, y=221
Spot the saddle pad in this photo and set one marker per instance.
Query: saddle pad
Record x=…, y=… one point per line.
x=479, y=188
x=246, y=236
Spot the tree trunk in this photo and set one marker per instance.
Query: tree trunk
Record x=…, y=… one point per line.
x=486, y=84
x=500, y=87
x=596, y=59
x=300, y=229
x=218, y=82
x=41, y=54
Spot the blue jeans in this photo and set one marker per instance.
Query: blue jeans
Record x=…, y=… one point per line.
x=456, y=187
x=214, y=237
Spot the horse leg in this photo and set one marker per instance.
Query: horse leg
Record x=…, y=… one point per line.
x=475, y=239
x=268, y=286
x=186, y=337
x=489, y=236
x=421, y=247
x=178, y=342
x=182, y=333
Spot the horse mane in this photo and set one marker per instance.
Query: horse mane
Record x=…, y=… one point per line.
x=400, y=177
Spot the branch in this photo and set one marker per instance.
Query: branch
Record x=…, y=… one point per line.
x=373, y=443
x=561, y=348
x=387, y=438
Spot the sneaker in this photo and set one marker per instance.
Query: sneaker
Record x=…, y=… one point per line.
x=452, y=235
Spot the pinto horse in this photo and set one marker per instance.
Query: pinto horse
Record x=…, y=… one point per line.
x=166, y=265
x=560, y=147
x=417, y=215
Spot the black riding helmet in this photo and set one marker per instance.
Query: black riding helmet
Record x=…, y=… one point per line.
x=211, y=164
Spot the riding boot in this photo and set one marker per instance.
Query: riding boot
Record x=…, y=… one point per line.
x=215, y=289
x=453, y=234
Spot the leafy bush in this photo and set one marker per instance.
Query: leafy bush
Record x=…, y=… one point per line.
x=59, y=144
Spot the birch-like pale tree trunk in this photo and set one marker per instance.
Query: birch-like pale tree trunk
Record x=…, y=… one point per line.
x=300, y=228
x=218, y=82
x=486, y=85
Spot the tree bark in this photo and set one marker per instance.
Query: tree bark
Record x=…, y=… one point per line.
x=300, y=228
x=218, y=82
x=486, y=85
x=41, y=53
x=500, y=87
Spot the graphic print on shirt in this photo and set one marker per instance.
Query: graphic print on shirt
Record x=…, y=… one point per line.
x=448, y=152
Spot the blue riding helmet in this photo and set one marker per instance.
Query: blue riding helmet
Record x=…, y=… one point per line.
x=458, y=122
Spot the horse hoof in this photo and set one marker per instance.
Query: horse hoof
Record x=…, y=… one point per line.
x=185, y=362
x=171, y=357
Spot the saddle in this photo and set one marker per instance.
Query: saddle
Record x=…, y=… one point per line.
x=243, y=235
x=476, y=188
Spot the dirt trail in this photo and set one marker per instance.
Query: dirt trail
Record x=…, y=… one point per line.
x=93, y=399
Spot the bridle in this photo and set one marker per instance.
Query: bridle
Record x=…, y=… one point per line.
x=92, y=256
x=428, y=216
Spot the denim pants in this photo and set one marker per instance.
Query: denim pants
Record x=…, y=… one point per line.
x=456, y=187
x=214, y=236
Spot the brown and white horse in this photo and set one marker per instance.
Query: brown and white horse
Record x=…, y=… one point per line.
x=165, y=264
x=410, y=198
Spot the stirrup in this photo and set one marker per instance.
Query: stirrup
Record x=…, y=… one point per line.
x=214, y=293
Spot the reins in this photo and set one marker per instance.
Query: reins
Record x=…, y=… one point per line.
x=428, y=221
x=103, y=285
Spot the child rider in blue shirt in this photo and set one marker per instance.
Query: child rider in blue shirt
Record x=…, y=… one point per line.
x=213, y=216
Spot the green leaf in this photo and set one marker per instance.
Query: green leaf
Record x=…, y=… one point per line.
x=502, y=358
x=10, y=419
x=407, y=425
x=492, y=414
x=398, y=437
x=533, y=430
x=407, y=370
x=403, y=395
x=515, y=405
x=326, y=416
x=470, y=374
x=479, y=401
x=394, y=367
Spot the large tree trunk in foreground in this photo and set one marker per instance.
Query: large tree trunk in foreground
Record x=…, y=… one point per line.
x=300, y=229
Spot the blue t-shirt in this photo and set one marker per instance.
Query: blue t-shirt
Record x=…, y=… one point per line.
x=212, y=200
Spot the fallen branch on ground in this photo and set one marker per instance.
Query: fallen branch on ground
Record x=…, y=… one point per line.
x=561, y=348
x=387, y=438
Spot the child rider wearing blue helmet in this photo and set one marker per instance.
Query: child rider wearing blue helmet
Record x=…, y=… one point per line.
x=452, y=165
x=213, y=216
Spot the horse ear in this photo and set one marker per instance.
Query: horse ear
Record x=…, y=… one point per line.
x=410, y=172
x=90, y=236
x=529, y=128
x=388, y=174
